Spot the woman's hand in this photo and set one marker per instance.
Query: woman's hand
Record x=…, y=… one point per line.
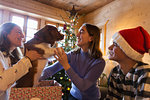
x=62, y=58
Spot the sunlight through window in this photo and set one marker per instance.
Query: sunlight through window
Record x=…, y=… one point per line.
x=18, y=20
x=32, y=26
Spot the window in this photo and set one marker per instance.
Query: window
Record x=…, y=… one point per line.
x=28, y=24
x=18, y=20
x=32, y=27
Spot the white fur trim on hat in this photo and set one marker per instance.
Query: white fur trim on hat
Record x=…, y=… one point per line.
x=127, y=49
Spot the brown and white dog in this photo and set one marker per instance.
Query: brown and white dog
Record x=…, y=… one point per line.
x=43, y=41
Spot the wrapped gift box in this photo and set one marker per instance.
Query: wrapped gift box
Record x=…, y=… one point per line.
x=44, y=91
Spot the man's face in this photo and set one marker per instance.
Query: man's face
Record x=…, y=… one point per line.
x=116, y=53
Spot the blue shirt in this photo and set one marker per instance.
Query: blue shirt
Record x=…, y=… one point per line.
x=83, y=73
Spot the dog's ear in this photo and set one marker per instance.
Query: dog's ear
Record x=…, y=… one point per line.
x=40, y=32
x=45, y=32
x=49, y=34
x=55, y=34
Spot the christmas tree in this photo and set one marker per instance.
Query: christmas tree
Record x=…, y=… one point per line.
x=68, y=45
x=63, y=79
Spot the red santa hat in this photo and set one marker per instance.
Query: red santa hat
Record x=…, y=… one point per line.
x=134, y=42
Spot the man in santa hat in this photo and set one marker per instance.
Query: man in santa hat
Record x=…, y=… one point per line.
x=130, y=79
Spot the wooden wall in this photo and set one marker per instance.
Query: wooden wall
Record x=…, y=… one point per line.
x=121, y=14
x=34, y=9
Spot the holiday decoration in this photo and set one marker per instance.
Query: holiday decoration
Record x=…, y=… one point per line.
x=134, y=47
x=69, y=44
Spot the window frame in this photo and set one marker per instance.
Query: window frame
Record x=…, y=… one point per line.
x=26, y=17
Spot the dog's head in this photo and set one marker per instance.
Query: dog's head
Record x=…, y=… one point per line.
x=49, y=34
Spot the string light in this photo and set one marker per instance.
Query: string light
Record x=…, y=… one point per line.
x=68, y=89
x=61, y=78
x=53, y=62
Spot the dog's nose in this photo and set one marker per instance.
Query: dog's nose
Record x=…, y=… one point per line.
x=61, y=37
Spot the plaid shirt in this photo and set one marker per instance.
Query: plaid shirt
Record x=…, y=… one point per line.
x=135, y=85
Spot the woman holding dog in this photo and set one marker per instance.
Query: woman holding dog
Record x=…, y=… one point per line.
x=11, y=37
x=83, y=66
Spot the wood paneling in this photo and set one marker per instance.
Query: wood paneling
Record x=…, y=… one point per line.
x=84, y=6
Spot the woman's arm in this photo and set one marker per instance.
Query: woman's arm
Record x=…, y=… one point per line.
x=50, y=70
x=9, y=76
x=82, y=83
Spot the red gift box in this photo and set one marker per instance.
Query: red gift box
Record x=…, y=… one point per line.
x=44, y=92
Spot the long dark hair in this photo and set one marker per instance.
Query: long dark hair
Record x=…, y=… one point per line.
x=5, y=29
x=94, y=50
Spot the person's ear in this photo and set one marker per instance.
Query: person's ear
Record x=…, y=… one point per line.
x=91, y=38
